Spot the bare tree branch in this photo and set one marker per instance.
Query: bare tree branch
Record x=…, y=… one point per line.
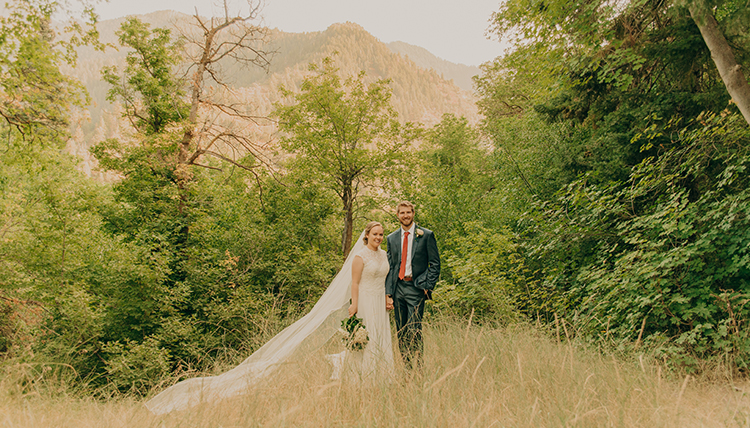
x=212, y=43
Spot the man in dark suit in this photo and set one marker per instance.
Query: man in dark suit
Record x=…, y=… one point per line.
x=414, y=270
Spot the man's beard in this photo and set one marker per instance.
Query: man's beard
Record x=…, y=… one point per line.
x=407, y=225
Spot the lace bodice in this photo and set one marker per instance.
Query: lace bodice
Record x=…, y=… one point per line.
x=374, y=271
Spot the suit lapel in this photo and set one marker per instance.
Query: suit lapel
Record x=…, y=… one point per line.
x=397, y=245
x=414, y=242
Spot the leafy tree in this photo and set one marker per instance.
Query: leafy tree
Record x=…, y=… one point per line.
x=201, y=106
x=602, y=70
x=152, y=94
x=460, y=194
x=156, y=186
x=47, y=215
x=50, y=225
x=36, y=96
x=158, y=174
x=345, y=133
x=453, y=180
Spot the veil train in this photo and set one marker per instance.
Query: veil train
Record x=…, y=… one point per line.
x=308, y=333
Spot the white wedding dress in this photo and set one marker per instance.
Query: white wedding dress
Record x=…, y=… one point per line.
x=309, y=333
x=375, y=361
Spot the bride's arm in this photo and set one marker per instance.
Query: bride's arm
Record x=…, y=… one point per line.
x=357, y=266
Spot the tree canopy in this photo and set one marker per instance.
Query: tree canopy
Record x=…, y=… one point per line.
x=346, y=132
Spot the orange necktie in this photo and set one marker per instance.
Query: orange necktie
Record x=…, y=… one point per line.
x=405, y=248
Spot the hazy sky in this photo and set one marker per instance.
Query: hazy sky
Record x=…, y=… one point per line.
x=451, y=29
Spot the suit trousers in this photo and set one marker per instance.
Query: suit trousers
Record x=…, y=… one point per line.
x=408, y=307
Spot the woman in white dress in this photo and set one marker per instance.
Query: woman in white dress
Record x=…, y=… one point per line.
x=369, y=269
x=309, y=333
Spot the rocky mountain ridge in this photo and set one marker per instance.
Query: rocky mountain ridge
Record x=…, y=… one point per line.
x=424, y=86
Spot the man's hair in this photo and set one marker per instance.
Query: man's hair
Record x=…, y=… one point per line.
x=405, y=204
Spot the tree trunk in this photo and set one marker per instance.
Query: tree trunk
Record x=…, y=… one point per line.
x=723, y=57
x=183, y=189
x=346, y=236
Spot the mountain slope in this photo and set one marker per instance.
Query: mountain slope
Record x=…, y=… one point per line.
x=459, y=73
x=419, y=94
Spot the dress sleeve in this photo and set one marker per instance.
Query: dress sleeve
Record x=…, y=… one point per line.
x=362, y=254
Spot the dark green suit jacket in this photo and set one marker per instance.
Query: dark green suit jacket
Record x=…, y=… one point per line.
x=425, y=259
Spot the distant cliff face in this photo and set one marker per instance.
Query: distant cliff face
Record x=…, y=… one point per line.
x=423, y=85
x=460, y=74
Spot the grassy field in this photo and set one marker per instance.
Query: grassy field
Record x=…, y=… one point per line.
x=474, y=377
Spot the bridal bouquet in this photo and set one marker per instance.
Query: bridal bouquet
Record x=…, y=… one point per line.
x=354, y=334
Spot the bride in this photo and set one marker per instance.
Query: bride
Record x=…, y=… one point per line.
x=362, y=278
x=369, y=269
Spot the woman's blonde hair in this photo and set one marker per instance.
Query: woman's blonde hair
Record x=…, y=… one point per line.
x=369, y=227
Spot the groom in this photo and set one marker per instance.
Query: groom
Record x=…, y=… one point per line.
x=414, y=269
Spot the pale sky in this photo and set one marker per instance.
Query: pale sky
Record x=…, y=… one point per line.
x=451, y=29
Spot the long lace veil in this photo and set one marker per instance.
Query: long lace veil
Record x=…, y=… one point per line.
x=308, y=333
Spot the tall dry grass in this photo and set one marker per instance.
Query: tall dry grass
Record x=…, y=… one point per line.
x=473, y=377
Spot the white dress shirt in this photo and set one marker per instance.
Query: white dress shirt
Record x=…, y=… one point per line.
x=407, y=271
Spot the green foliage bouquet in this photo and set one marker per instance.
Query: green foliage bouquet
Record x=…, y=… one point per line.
x=354, y=333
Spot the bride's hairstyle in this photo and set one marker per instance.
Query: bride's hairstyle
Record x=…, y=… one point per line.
x=368, y=228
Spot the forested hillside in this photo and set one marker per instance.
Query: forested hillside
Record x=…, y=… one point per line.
x=461, y=75
x=422, y=90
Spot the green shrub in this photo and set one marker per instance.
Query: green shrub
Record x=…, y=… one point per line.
x=665, y=255
x=488, y=275
x=137, y=366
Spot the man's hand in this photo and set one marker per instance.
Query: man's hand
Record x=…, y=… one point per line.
x=388, y=303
